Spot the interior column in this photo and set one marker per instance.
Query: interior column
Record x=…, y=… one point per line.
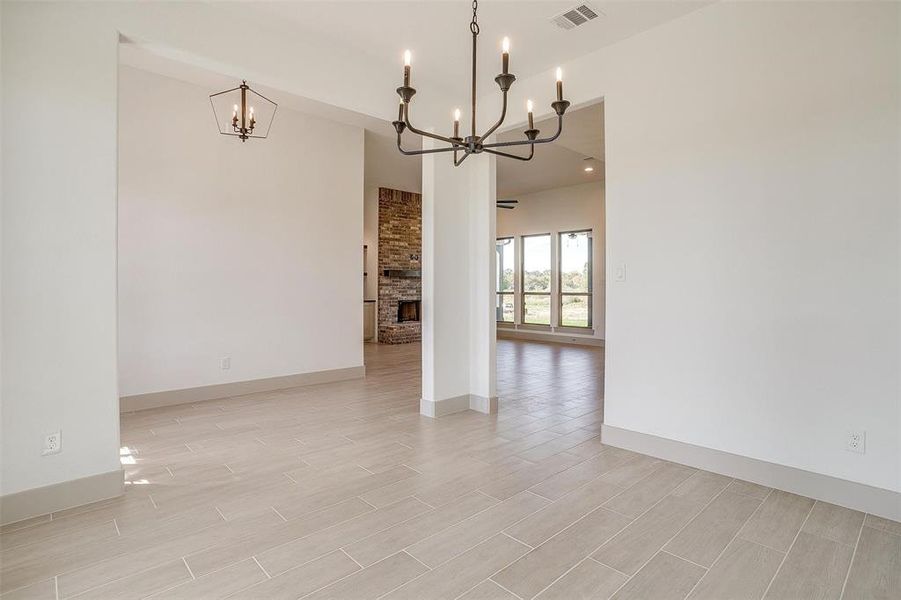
x=458, y=287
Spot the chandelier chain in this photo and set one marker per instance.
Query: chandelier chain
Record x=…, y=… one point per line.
x=474, y=25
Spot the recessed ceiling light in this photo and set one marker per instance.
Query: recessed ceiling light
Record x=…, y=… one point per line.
x=589, y=169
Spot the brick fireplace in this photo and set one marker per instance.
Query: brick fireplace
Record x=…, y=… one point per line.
x=400, y=283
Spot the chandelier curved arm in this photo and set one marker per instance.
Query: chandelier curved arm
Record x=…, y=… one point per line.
x=459, y=162
x=499, y=121
x=530, y=142
x=434, y=136
x=507, y=155
x=418, y=152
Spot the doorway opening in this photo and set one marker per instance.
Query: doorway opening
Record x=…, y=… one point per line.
x=550, y=273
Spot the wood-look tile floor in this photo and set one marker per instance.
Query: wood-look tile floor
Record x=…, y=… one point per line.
x=344, y=491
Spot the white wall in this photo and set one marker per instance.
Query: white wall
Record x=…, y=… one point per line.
x=564, y=209
x=753, y=194
x=59, y=248
x=59, y=63
x=248, y=250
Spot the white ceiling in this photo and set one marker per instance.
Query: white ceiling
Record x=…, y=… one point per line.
x=437, y=32
x=560, y=163
x=155, y=60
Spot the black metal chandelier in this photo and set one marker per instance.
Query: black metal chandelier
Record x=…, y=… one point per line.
x=474, y=144
x=244, y=118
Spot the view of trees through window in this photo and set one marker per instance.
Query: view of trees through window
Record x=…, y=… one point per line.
x=573, y=273
x=575, y=279
x=536, y=279
x=506, y=279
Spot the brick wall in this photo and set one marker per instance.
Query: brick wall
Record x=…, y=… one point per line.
x=400, y=247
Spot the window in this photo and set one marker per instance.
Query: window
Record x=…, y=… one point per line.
x=536, y=279
x=575, y=279
x=506, y=279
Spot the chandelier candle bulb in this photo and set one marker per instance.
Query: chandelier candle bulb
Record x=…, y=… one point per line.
x=506, y=56
x=457, y=123
x=407, y=61
x=559, y=84
x=531, y=118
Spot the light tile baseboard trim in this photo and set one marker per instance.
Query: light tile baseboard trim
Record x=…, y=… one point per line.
x=238, y=388
x=482, y=404
x=440, y=408
x=449, y=406
x=850, y=494
x=60, y=496
x=542, y=336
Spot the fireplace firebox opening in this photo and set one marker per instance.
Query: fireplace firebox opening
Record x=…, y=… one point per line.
x=407, y=310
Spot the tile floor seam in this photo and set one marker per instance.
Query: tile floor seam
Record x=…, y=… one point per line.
x=665, y=551
x=405, y=548
x=188, y=567
x=111, y=558
x=335, y=525
x=500, y=585
x=890, y=532
x=111, y=581
x=428, y=568
x=461, y=554
x=671, y=538
x=423, y=501
x=853, y=556
x=516, y=539
x=265, y=572
x=596, y=548
x=343, y=551
x=734, y=537
x=792, y=545
x=626, y=575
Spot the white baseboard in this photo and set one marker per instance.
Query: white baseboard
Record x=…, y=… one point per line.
x=440, y=408
x=449, y=406
x=858, y=496
x=60, y=496
x=482, y=404
x=547, y=336
x=238, y=388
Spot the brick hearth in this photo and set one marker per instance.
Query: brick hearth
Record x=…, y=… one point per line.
x=400, y=248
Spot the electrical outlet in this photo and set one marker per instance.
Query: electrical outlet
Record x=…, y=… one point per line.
x=856, y=442
x=619, y=273
x=225, y=363
x=53, y=443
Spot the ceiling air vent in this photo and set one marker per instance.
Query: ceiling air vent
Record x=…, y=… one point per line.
x=576, y=16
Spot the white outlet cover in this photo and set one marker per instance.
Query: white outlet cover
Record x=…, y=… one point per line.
x=856, y=442
x=53, y=443
x=225, y=363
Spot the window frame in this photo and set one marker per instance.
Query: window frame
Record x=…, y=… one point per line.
x=512, y=292
x=590, y=293
x=522, y=276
